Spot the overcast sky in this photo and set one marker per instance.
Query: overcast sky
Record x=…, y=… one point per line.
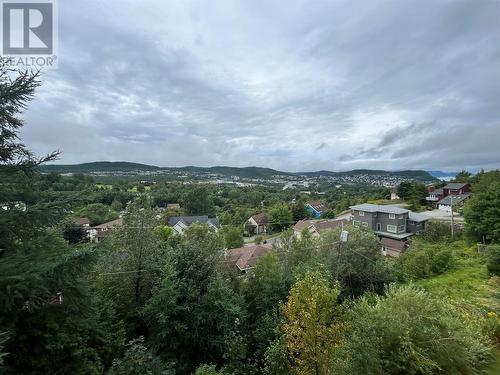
x=291, y=85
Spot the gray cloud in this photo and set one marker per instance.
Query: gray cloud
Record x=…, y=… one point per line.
x=289, y=85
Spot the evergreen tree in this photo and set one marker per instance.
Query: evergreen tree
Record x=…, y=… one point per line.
x=44, y=295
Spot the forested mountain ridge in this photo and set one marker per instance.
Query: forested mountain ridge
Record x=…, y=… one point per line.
x=226, y=171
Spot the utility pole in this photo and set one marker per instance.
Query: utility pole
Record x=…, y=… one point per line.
x=452, y=224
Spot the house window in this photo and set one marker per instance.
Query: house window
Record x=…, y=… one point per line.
x=379, y=227
x=356, y=223
x=365, y=224
x=392, y=216
x=361, y=213
x=401, y=228
x=392, y=228
x=401, y=216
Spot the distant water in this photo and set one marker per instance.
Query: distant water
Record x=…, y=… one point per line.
x=446, y=178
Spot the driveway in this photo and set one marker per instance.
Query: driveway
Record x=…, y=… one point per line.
x=442, y=215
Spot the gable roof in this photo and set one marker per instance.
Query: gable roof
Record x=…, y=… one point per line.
x=110, y=224
x=188, y=220
x=456, y=199
x=415, y=216
x=302, y=224
x=320, y=225
x=455, y=185
x=260, y=219
x=394, y=247
x=388, y=209
x=82, y=221
x=318, y=206
x=246, y=257
x=330, y=224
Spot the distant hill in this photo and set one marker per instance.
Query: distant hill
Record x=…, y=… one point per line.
x=103, y=166
x=244, y=172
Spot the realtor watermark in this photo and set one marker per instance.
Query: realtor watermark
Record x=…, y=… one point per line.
x=29, y=34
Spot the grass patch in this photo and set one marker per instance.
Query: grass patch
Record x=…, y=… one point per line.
x=469, y=282
x=494, y=367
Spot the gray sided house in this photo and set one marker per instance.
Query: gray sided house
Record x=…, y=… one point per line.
x=390, y=222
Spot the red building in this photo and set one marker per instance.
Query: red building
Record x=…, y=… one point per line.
x=456, y=188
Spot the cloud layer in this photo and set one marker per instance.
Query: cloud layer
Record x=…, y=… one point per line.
x=292, y=85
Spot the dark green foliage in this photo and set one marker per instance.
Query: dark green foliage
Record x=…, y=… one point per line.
x=423, y=260
x=194, y=315
x=207, y=370
x=437, y=231
x=412, y=191
x=299, y=211
x=139, y=360
x=329, y=214
x=233, y=237
x=482, y=211
x=280, y=217
x=198, y=202
x=97, y=213
x=410, y=332
x=358, y=264
x=493, y=260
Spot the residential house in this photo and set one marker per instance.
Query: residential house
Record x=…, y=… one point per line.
x=389, y=221
x=316, y=208
x=456, y=188
x=257, y=224
x=394, y=193
x=82, y=221
x=315, y=227
x=391, y=247
x=446, y=203
x=99, y=232
x=181, y=223
x=434, y=195
x=438, y=196
x=244, y=258
x=173, y=206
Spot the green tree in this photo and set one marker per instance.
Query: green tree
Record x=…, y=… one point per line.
x=358, y=264
x=280, y=217
x=482, y=211
x=198, y=202
x=313, y=325
x=138, y=360
x=493, y=260
x=45, y=303
x=299, y=211
x=463, y=176
x=233, y=237
x=263, y=296
x=97, y=213
x=131, y=262
x=404, y=190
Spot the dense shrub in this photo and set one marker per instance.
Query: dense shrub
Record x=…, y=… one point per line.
x=423, y=260
x=493, y=260
x=408, y=331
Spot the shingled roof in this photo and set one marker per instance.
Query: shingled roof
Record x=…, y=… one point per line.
x=455, y=185
x=246, y=257
x=260, y=219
